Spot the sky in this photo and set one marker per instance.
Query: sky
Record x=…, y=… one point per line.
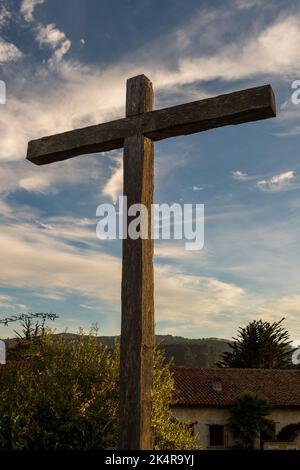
x=65, y=64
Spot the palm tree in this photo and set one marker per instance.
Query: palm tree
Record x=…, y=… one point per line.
x=248, y=420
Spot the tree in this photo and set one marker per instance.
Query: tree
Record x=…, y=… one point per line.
x=248, y=420
x=33, y=327
x=261, y=345
x=30, y=329
x=64, y=395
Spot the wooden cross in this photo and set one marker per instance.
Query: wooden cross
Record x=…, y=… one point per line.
x=136, y=133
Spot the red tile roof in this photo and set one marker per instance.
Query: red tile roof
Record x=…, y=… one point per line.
x=194, y=387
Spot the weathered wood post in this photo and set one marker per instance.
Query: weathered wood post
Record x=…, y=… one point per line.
x=137, y=330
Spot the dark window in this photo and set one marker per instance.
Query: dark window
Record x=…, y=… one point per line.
x=216, y=435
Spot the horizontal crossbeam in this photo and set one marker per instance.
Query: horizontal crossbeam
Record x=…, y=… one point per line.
x=233, y=108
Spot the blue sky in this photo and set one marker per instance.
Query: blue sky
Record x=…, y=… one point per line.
x=65, y=64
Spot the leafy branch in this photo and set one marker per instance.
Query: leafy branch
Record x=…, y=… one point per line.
x=24, y=316
x=31, y=329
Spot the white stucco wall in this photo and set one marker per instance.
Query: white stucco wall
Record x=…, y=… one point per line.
x=211, y=415
x=282, y=417
x=204, y=418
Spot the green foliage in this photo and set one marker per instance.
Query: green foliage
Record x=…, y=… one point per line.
x=261, y=345
x=33, y=328
x=169, y=433
x=24, y=318
x=64, y=395
x=248, y=420
x=289, y=432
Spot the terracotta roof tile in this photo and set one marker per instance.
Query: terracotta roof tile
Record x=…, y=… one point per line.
x=194, y=387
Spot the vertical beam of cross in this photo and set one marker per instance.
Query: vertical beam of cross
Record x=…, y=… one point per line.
x=137, y=330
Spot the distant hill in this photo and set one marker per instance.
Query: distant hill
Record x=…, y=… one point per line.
x=204, y=352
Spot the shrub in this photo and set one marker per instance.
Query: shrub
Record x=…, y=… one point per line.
x=64, y=395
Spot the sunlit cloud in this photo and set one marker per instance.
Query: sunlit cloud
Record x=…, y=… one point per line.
x=77, y=94
x=51, y=36
x=281, y=182
x=239, y=175
x=27, y=8
x=8, y=52
x=38, y=253
x=114, y=185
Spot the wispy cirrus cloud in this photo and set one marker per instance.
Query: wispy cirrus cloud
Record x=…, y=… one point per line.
x=235, y=61
x=74, y=95
x=248, y=4
x=15, y=176
x=63, y=269
x=77, y=94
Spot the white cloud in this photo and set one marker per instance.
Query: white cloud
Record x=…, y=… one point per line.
x=114, y=186
x=176, y=251
x=52, y=268
x=4, y=16
x=47, y=35
x=8, y=52
x=5, y=209
x=247, y=4
x=281, y=182
x=5, y=298
x=289, y=118
x=89, y=307
x=50, y=263
x=292, y=130
x=27, y=8
x=51, y=36
x=239, y=175
x=60, y=52
x=46, y=179
x=81, y=96
x=69, y=229
x=197, y=188
x=183, y=298
x=287, y=306
x=236, y=61
x=49, y=295
x=9, y=306
x=86, y=95
x=77, y=95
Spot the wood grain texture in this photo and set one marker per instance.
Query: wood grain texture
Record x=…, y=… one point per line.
x=233, y=108
x=137, y=330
